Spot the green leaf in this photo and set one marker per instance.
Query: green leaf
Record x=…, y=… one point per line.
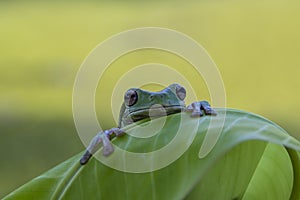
x=252, y=159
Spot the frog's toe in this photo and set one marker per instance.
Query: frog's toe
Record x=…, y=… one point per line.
x=197, y=114
x=211, y=112
x=107, y=145
x=107, y=150
x=189, y=108
x=85, y=158
x=118, y=132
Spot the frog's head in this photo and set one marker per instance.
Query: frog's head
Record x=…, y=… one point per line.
x=141, y=104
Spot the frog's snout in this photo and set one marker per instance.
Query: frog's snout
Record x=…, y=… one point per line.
x=159, y=96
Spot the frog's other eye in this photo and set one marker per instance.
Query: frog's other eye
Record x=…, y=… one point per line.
x=180, y=92
x=130, y=98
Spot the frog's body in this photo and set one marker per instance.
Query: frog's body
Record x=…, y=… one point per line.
x=140, y=104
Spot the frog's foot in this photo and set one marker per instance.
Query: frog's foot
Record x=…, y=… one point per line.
x=195, y=109
x=207, y=108
x=200, y=108
x=102, y=137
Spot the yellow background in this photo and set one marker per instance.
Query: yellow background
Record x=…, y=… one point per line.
x=255, y=45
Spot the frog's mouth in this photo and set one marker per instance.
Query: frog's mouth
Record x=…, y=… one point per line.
x=155, y=111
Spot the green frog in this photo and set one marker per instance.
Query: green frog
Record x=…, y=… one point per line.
x=140, y=104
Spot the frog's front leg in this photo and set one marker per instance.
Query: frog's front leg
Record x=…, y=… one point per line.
x=105, y=138
x=200, y=108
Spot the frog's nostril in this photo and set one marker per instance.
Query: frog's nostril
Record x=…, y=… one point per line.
x=158, y=97
x=163, y=96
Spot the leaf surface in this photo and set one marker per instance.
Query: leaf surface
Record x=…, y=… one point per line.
x=252, y=159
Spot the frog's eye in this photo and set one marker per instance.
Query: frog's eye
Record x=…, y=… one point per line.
x=130, y=98
x=180, y=92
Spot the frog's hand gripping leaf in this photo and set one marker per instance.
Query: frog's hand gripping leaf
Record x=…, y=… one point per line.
x=244, y=164
x=104, y=138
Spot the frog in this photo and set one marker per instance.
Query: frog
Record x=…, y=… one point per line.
x=140, y=104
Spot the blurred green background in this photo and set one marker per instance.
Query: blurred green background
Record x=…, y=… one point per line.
x=255, y=44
